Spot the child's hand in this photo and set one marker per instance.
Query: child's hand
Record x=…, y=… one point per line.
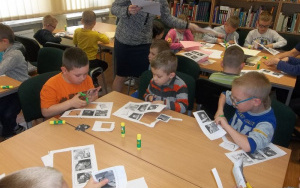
x=76, y=102
x=151, y=98
x=93, y=184
x=158, y=102
x=231, y=42
x=269, y=46
x=221, y=121
x=92, y=94
x=219, y=113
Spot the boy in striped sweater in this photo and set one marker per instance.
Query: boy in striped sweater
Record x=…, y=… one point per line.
x=166, y=87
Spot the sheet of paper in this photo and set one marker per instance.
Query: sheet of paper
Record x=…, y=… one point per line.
x=110, y=35
x=116, y=176
x=137, y=183
x=215, y=54
x=271, y=73
x=100, y=126
x=198, y=56
x=229, y=146
x=151, y=7
x=271, y=50
x=217, y=177
x=191, y=45
x=2, y=176
x=237, y=171
x=207, y=45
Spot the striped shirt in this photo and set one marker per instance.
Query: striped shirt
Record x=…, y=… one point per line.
x=174, y=94
x=223, y=77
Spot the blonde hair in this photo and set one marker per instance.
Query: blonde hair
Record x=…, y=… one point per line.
x=160, y=45
x=48, y=20
x=166, y=61
x=233, y=57
x=41, y=177
x=88, y=17
x=265, y=16
x=256, y=85
x=233, y=21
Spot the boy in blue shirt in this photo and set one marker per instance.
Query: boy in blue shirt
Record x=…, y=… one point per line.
x=253, y=124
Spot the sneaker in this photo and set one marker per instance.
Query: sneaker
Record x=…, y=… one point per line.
x=132, y=83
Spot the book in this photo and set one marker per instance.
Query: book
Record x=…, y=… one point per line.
x=279, y=22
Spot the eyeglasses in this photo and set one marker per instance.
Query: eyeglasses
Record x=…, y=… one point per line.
x=263, y=26
x=52, y=26
x=235, y=103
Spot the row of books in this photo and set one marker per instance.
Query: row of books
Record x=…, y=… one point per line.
x=195, y=12
x=289, y=23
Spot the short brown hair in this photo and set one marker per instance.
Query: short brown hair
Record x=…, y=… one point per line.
x=74, y=58
x=160, y=44
x=265, y=16
x=88, y=17
x=183, y=17
x=233, y=57
x=233, y=21
x=6, y=33
x=48, y=20
x=166, y=61
x=257, y=85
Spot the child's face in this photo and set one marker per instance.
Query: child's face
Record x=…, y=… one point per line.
x=3, y=44
x=76, y=75
x=160, y=77
x=263, y=26
x=239, y=94
x=229, y=29
x=152, y=54
x=51, y=27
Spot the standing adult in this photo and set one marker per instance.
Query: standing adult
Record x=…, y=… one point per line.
x=134, y=36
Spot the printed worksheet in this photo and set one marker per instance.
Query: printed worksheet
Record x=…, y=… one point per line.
x=116, y=177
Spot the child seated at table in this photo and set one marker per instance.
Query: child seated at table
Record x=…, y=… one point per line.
x=174, y=36
x=46, y=33
x=263, y=34
x=157, y=46
x=87, y=39
x=42, y=177
x=166, y=87
x=228, y=30
x=253, y=124
x=13, y=65
x=64, y=90
x=158, y=30
x=232, y=63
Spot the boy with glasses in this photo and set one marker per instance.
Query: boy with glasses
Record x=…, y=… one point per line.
x=253, y=124
x=46, y=33
x=263, y=34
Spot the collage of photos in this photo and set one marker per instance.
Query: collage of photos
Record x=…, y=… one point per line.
x=83, y=164
x=264, y=71
x=209, y=127
x=116, y=177
x=269, y=152
x=93, y=110
x=196, y=55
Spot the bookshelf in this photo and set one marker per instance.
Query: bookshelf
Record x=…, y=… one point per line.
x=286, y=13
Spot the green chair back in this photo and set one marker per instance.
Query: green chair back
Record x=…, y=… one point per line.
x=188, y=66
x=29, y=95
x=49, y=59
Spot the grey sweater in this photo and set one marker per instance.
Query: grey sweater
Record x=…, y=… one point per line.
x=212, y=39
x=13, y=64
x=137, y=29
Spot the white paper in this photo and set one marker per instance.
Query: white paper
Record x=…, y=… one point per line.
x=98, y=126
x=2, y=176
x=151, y=7
x=271, y=73
x=209, y=128
x=207, y=45
x=270, y=152
x=229, y=146
x=116, y=176
x=237, y=171
x=271, y=50
x=110, y=35
x=215, y=54
x=196, y=55
x=137, y=183
x=217, y=177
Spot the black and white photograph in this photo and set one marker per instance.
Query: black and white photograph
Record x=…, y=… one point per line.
x=101, y=112
x=256, y=156
x=88, y=112
x=164, y=117
x=188, y=54
x=83, y=165
x=152, y=107
x=83, y=177
x=142, y=108
x=266, y=71
x=108, y=175
x=212, y=127
x=136, y=116
x=194, y=57
x=203, y=116
x=81, y=154
x=269, y=152
x=276, y=73
x=246, y=159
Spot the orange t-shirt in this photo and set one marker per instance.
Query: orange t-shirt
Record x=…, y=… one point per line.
x=56, y=90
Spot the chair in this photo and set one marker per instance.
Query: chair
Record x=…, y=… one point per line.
x=32, y=48
x=56, y=45
x=190, y=82
x=207, y=97
x=29, y=95
x=49, y=59
x=188, y=66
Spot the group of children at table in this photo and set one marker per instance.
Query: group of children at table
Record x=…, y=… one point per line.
x=254, y=122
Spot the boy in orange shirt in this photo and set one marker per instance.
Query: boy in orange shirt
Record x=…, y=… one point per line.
x=62, y=91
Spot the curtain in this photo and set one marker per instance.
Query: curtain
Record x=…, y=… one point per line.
x=22, y=9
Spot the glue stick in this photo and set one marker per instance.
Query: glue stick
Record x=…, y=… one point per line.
x=57, y=122
x=123, y=129
x=7, y=87
x=139, y=141
x=258, y=65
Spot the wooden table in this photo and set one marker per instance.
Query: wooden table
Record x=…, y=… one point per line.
x=181, y=148
x=286, y=82
x=26, y=149
x=5, y=80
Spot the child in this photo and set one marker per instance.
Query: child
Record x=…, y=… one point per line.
x=87, y=40
x=174, y=36
x=13, y=65
x=157, y=46
x=64, y=91
x=41, y=177
x=263, y=34
x=165, y=87
x=45, y=34
x=253, y=124
x=228, y=29
x=232, y=65
x=158, y=30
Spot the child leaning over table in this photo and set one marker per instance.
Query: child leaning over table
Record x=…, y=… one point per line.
x=263, y=34
x=62, y=91
x=166, y=87
x=228, y=29
x=232, y=63
x=253, y=124
x=46, y=33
